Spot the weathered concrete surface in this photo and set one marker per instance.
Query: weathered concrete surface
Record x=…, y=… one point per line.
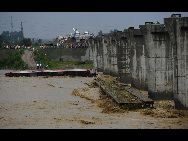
x=123, y=58
x=159, y=61
x=113, y=46
x=178, y=31
x=111, y=55
x=138, y=59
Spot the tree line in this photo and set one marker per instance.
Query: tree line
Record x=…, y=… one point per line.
x=5, y=42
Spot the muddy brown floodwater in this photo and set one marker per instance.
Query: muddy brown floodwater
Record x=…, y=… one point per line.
x=49, y=102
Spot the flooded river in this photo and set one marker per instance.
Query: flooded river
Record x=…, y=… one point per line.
x=2, y=72
x=48, y=102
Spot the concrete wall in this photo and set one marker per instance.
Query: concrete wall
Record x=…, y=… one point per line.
x=112, y=46
x=178, y=31
x=111, y=55
x=138, y=59
x=153, y=58
x=159, y=61
x=123, y=58
x=68, y=54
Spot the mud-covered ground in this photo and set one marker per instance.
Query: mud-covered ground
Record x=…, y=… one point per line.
x=28, y=57
x=73, y=102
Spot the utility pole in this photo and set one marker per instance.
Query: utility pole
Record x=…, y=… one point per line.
x=11, y=23
x=21, y=27
x=11, y=33
x=22, y=30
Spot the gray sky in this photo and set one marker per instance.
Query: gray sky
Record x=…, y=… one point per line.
x=48, y=25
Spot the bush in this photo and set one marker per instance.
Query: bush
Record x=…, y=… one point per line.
x=43, y=59
x=13, y=61
x=60, y=59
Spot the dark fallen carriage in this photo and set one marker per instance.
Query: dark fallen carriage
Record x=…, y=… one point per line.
x=71, y=72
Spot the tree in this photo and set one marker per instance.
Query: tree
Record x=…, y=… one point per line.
x=3, y=41
x=115, y=30
x=26, y=42
x=100, y=33
x=158, y=22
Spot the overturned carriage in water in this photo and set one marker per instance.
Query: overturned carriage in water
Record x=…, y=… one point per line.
x=70, y=72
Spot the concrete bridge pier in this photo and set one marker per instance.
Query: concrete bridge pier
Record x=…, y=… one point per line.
x=159, y=61
x=106, y=54
x=137, y=59
x=178, y=31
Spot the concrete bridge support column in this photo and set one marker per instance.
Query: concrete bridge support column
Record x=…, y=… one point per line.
x=106, y=54
x=178, y=30
x=94, y=51
x=138, y=59
x=123, y=57
x=124, y=62
x=159, y=62
x=90, y=51
x=99, y=58
x=113, y=57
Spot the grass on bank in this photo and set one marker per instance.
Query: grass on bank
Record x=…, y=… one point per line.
x=15, y=62
x=47, y=63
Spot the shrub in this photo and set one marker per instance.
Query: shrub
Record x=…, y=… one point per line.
x=13, y=61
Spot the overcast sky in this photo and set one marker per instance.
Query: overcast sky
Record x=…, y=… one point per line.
x=48, y=25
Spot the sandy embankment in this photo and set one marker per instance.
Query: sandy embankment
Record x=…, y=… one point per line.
x=48, y=102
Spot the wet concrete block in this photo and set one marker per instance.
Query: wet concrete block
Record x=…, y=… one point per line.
x=160, y=64
x=151, y=64
x=151, y=81
x=179, y=105
x=158, y=28
x=125, y=78
x=160, y=95
x=181, y=68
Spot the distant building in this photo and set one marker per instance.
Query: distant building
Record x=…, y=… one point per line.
x=81, y=38
x=40, y=41
x=74, y=38
x=15, y=36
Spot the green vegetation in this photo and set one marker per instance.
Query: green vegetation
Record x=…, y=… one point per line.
x=77, y=64
x=47, y=63
x=100, y=33
x=26, y=42
x=13, y=61
x=5, y=42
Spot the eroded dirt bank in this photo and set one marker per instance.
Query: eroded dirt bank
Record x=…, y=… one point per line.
x=72, y=102
x=28, y=57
